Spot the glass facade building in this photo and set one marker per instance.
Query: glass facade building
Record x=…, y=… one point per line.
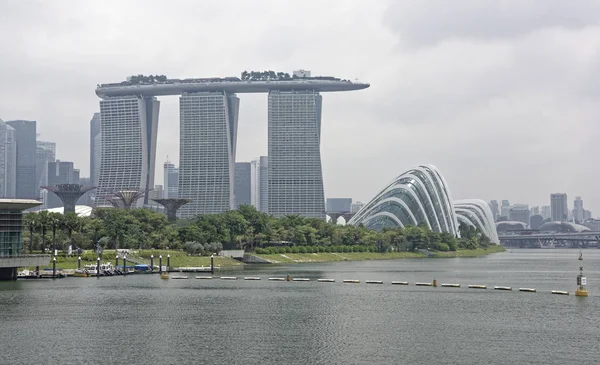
x=128, y=127
x=295, y=172
x=207, y=142
x=421, y=196
x=243, y=184
x=8, y=161
x=25, y=136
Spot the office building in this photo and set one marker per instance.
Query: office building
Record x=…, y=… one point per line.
x=243, y=184
x=587, y=214
x=505, y=208
x=95, y=147
x=339, y=205
x=578, y=211
x=128, y=127
x=60, y=172
x=45, y=153
x=156, y=193
x=355, y=207
x=255, y=183
x=8, y=161
x=519, y=213
x=25, y=136
x=495, y=209
x=263, y=186
x=295, y=172
x=208, y=132
x=534, y=210
x=536, y=221
x=171, y=180
x=558, y=207
x=87, y=198
x=546, y=212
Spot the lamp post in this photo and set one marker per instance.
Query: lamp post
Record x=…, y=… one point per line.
x=117, y=261
x=168, y=262
x=79, y=262
x=124, y=264
x=212, y=264
x=151, y=263
x=98, y=267
x=160, y=264
x=54, y=267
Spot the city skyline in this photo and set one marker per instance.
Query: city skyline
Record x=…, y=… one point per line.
x=409, y=104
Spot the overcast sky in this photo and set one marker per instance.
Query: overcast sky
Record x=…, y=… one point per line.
x=500, y=95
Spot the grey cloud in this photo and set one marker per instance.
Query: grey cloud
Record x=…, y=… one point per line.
x=423, y=23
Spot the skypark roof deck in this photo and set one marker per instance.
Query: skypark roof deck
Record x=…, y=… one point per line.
x=229, y=84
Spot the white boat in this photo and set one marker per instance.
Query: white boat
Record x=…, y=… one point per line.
x=91, y=270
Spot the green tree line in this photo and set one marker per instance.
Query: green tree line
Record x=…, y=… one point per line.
x=245, y=228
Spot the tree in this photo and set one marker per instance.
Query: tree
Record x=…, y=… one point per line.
x=31, y=221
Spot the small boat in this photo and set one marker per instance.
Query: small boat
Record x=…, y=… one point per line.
x=81, y=273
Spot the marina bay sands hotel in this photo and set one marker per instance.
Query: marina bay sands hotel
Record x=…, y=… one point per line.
x=209, y=110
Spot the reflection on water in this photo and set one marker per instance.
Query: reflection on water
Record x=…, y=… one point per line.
x=142, y=319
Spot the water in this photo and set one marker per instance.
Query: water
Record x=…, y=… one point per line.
x=143, y=319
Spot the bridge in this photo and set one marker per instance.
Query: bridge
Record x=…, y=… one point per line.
x=584, y=239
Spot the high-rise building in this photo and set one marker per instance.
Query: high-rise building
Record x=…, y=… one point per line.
x=208, y=132
x=519, y=213
x=263, y=186
x=546, y=212
x=494, y=208
x=60, y=172
x=25, y=133
x=534, y=210
x=587, y=214
x=95, y=147
x=157, y=193
x=295, y=172
x=578, y=211
x=171, y=180
x=86, y=199
x=128, y=127
x=8, y=161
x=355, y=207
x=243, y=184
x=259, y=184
x=45, y=153
x=339, y=205
x=505, y=209
x=558, y=207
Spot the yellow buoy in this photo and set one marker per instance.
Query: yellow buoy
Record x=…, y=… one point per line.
x=434, y=283
x=164, y=275
x=581, y=281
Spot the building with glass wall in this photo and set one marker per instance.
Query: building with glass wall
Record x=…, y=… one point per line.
x=25, y=136
x=295, y=171
x=207, y=142
x=8, y=161
x=421, y=196
x=243, y=184
x=11, y=244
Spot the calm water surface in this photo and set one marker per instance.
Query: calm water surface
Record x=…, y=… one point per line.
x=143, y=319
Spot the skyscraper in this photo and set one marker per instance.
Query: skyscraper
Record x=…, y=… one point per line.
x=505, y=209
x=494, y=208
x=171, y=180
x=8, y=161
x=243, y=184
x=208, y=132
x=128, y=129
x=25, y=133
x=263, y=184
x=519, y=213
x=578, y=211
x=546, y=211
x=95, y=147
x=558, y=207
x=295, y=172
x=45, y=153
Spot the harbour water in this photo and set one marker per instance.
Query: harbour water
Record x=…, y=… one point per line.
x=141, y=319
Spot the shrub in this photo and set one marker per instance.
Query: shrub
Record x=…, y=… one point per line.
x=295, y=249
x=302, y=249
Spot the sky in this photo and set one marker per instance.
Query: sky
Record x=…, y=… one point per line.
x=501, y=96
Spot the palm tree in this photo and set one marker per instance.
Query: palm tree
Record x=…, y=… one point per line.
x=31, y=221
x=55, y=221
x=44, y=222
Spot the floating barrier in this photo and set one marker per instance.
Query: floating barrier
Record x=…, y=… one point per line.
x=423, y=284
x=179, y=277
x=560, y=292
x=374, y=282
x=478, y=286
x=351, y=281
x=399, y=282
x=326, y=280
x=502, y=288
x=277, y=279
x=450, y=285
x=300, y=279
x=251, y=278
x=228, y=278
x=530, y=290
x=204, y=277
